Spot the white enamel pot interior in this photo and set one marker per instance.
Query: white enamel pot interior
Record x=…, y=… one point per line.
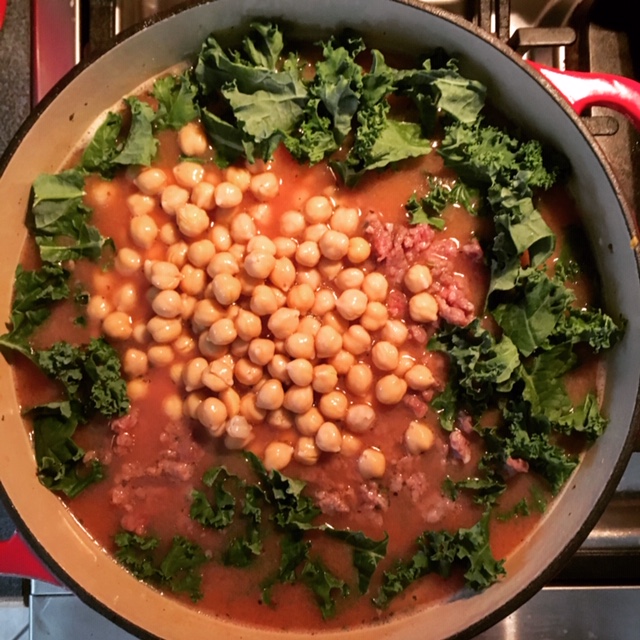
x=60, y=122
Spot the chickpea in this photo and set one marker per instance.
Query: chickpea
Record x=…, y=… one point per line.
x=308, y=254
x=163, y=275
x=264, y=186
x=390, y=389
x=261, y=351
x=135, y=362
x=200, y=253
x=208, y=349
x=359, y=379
x=167, y=304
x=117, y=325
x=284, y=322
x=330, y=269
x=143, y=230
x=271, y=395
x=231, y=399
x=385, y=356
x=218, y=375
x=371, y=463
x=418, y=278
x=193, y=280
x=278, y=368
x=325, y=301
x=151, y=181
x=356, y=340
x=301, y=297
x=310, y=325
x=173, y=197
x=423, y=307
x=242, y=228
x=283, y=274
x=300, y=372
x=137, y=388
x=175, y=373
x=140, y=205
x=227, y=195
x=375, y=316
x=395, y=332
x=306, y=452
x=188, y=305
x=223, y=262
x=351, y=278
x=333, y=405
x=329, y=438
x=298, y=399
x=406, y=362
x=309, y=422
x=419, y=377
x=418, y=437
x=376, y=287
x=160, y=355
x=351, y=445
x=184, y=344
x=325, y=378
x=169, y=233
x=360, y=418
x=280, y=419
x=292, y=224
x=212, y=414
x=285, y=247
x=206, y=312
x=351, y=304
x=300, y=345
x=335, y=320
x=192, y=220
x=239, y=348
x=346, y=220
x=192, y=373
x=177, y=254
x=250, y=411
x=238, y=433
x=247, y=372
x=328, y=342
x=263, y=301
x=192, y=140
x=359, y=250
x=164, y=330
x=342, y=362
x=99, y=307
x=127, y=261
x=314, y=232
x=238, y=176
x=262, y=244
x=277, y=456
x=226, y=288
x=223, y=331
x=259, y=264
x=220, y=237
x=317, y=209
x=309, y=276
x=248, y=325
x=334, y=245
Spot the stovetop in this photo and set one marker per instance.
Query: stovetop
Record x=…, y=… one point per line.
x=597, y=595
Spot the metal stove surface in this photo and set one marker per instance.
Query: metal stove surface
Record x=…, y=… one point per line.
x=597, y=596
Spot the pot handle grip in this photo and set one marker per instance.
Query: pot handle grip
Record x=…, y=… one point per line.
x=583, y=90
x=18, y=559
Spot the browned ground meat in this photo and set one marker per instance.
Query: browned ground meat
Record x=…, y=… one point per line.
x=397, y=247
x=460, y=445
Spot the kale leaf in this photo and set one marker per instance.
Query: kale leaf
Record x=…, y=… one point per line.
x=177, y=106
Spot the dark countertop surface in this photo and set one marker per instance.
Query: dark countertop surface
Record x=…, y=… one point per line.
x=15, y=63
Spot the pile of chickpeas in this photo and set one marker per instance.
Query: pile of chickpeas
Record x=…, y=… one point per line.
x=290, y=331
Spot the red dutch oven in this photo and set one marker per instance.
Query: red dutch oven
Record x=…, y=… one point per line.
x=547, y=103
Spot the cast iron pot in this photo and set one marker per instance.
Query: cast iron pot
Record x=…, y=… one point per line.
x=58, y=125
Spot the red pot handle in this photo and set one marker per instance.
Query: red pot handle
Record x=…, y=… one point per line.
x=18, y=559
x=3, y=9
x=583, y=90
